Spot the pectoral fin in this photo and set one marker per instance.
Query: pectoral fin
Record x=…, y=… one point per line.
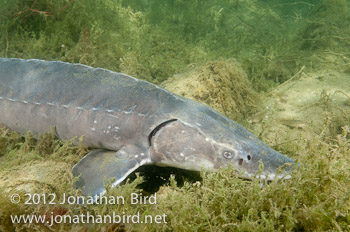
x=100, y=164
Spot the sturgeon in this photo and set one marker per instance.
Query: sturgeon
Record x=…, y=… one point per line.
x=128, y=122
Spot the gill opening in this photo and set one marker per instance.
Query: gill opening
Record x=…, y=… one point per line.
x=155, y=130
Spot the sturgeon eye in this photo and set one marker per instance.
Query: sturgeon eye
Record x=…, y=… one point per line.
x=227, y=154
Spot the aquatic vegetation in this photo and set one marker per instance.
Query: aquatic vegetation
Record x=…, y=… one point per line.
x=96, y=33
x=154, y=40
x=317, y=196
x=222, y=84
x=327, y=27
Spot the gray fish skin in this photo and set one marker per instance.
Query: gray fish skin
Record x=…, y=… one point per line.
x=130, y=122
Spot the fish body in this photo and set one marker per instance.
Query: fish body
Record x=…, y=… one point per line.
x=128, y=122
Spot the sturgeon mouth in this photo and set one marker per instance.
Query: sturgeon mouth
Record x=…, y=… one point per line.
x=157, y=128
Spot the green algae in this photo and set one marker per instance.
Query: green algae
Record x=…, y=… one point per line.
x=155, y=39
x=316, y=198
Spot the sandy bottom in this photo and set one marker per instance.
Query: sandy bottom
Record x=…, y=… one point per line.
x=313, y=103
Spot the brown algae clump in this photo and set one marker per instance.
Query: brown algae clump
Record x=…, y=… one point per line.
x=221, y=84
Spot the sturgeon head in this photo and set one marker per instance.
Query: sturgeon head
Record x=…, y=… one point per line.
x=203, y=138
